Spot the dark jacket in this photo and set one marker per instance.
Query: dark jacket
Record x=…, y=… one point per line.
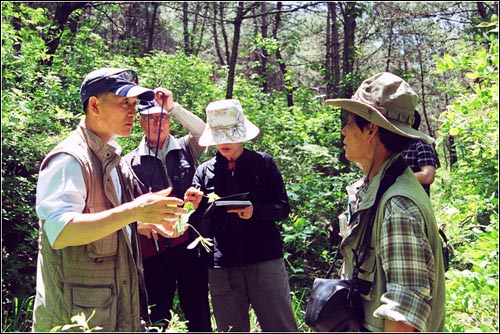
x=240, y=241
x=150, y=172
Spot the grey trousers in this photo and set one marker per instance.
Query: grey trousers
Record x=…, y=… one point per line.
x=264, y=286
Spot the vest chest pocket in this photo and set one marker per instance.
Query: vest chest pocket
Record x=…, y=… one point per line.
x=107, y=246
x=367, y=273
x=368, y=266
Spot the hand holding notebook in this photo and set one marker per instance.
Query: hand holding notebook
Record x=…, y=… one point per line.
x=235, y=201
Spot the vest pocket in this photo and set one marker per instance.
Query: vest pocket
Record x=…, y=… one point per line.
x=107, y=246
x=98, y=298
x=367, y=268
x=367, y=273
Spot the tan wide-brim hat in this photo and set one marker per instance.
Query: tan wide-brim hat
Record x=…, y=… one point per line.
x=226, y=123
x=387, y=101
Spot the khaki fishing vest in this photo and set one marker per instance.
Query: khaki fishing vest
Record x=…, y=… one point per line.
x=371, y=270
x=101, y=276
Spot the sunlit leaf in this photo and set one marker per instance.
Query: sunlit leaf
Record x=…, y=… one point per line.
x=212, y=197
x=194, y=243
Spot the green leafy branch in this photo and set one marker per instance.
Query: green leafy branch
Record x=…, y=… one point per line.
x=182, y=224
x=81, y=324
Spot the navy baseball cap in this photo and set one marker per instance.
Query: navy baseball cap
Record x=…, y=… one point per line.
x=118, y=81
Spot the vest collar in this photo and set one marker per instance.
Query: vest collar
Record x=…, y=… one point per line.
x=104, y=151
x=368, y=191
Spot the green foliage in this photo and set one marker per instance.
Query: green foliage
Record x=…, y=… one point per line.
x=475, y=286
x=34, y=118
x=16, y=316
x=467, y=194
x=175, y=325
x=188, y=77
x=80, y=323
x=40, y=106
x=299, y=302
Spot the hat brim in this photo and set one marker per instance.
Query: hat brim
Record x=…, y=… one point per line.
x=126, y=89
x=215, y=137
x=374, y=116
x=153, y=110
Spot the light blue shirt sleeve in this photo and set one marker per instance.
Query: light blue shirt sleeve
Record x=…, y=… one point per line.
x=60, y=194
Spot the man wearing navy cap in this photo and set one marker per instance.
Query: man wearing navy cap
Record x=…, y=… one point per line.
x=89, y=260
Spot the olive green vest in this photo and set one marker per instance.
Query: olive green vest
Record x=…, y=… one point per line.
x=103, y=275
x=371, y=270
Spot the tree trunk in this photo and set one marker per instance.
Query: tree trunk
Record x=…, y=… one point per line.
x=453, y=151
x=185, y=28
x=389, y=48
x=264, y=55
x=197, y=46
x=224, y=33
x=238, y=20
x=481, y=9
x=279, y=58
x=151, y=27
x=61, y=19
x=350, y=13
x=234, y=51
x=222, y=61
x=332, y=61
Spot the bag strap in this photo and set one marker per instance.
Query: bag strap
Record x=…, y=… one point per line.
x=392, y=173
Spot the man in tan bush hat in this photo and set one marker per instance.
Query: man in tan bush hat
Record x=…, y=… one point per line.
x=404, y=263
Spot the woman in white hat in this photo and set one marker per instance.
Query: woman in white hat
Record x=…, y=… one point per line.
x=247, y=265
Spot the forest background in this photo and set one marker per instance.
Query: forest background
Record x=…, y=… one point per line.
x=281, y=60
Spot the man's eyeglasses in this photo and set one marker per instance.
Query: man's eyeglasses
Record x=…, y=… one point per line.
x=128, y=75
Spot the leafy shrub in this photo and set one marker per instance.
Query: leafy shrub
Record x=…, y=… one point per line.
x=467, y=194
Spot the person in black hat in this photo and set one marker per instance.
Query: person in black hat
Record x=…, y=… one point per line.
x=159, y=161
x=89, y=258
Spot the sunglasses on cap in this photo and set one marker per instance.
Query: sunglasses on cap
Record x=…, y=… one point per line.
x=127, y=75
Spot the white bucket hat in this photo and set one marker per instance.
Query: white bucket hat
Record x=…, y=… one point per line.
x=226, y=123
x=387, y=101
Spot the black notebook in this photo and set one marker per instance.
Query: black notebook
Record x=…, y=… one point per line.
x=235, y=201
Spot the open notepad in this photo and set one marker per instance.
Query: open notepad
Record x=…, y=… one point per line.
x=235, y=201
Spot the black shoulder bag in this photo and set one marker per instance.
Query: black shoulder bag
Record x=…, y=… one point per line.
x=335, y=304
